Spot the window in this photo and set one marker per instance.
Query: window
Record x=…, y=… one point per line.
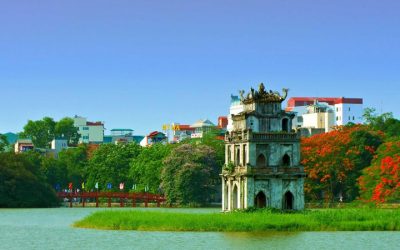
x=337, y=118
x=349, y=118
x=286, y=160
x=85, y=128
x=353, y=118
x=349, y=108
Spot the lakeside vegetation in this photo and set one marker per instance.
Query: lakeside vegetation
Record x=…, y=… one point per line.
x=350, y=163
x=355, y=219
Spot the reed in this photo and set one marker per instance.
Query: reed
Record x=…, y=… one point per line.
x=259, y=221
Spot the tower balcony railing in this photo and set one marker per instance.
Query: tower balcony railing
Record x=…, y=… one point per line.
x=272, y=170
x=248, y=135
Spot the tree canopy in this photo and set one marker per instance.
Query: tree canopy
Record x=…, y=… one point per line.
x=334, y=160
x=190, y=174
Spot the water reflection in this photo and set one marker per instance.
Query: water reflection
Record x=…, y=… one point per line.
x=51, y=229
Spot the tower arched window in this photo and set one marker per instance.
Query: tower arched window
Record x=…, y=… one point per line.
x=261, y=162
x=285, y=125
x=286, y=160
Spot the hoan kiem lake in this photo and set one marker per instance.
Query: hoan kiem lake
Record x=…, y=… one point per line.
x=52, y=229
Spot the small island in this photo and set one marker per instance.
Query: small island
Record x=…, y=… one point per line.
x=347, y=219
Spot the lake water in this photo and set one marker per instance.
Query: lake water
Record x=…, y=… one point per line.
x=51, y=229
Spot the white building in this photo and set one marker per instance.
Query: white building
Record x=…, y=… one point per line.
x=201, y=127
x=235, y=108
x=322, y=112
x=90, y=132
x=58, y=144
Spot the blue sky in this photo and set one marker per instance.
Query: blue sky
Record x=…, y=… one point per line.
x=139, y=64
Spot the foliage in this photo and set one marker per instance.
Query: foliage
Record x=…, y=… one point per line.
x=381, y=181
x=145, y=170
x=334, y=160
x=74, y=160
x=3, y=142
x=65, y=128
x=41, y=132
x=190, y=174
x=230, y=167
x=384, y=122
x=110, y=164
x=21, y=184
x=55, y=172
x=262, y=221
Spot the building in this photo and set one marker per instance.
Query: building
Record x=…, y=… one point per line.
x=222, y=122
x=181, y=132
x=23, y=145
x=201, y=127
x=262, y=156
x=121, y=136
x=58, y=145
x=153, y=138
x=90, y=132
x=332, y=111
x=235, y=108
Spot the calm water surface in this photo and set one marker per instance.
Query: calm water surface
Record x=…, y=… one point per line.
x=51, y=229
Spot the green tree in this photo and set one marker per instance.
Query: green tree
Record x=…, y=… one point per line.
x=3, y=143
x=110, y=164
x=65, y=128
x=19, y=186
x=383, y=122
x=41, y=132
x=145, y=170
x=54, y=171
x=189, y=174
x=75, y=161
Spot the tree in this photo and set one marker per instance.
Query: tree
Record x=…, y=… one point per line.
x=189, y=174
x=334, y=160
x=75, y=162
x=380, y=182
x=65, y=128
x=110, y=164
x=41, y=132
x=19, y=186
x=384, y=122
x=145, y=170
x=3, y=143
x=55, y=172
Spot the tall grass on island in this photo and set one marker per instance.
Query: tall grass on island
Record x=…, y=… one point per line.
x=257, y=221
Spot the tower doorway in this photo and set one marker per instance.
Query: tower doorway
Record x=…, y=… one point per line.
x=260, y=200
x=288, y=200
x=235, y=197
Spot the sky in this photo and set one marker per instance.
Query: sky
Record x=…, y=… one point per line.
x=142, y=63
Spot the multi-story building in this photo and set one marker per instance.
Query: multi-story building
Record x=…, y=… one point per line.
x=181, y=132
x=152, y=138
x=90, y=132
x=23, y=145
x=262, y=156
x=235, y=108
x=325, y=112
x=201, y=127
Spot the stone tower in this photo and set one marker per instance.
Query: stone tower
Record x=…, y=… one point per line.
x=262, y=156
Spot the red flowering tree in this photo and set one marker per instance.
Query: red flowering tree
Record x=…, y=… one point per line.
x=334, y=160
x=381, y=181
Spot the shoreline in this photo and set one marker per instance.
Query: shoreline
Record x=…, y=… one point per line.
x=260, y=221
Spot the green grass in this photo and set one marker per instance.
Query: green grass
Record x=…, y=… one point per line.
x=266, y=220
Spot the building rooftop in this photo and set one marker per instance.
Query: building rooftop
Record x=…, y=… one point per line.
x=122, y=129
x=305, y=101
x=203, y=123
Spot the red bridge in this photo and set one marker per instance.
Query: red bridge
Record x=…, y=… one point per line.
x=146, y=198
